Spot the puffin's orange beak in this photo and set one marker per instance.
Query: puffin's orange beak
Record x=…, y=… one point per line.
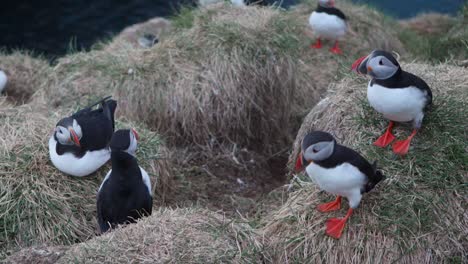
x=299, y=165
x=74, y=138
x=357, y=63
x=135, y=134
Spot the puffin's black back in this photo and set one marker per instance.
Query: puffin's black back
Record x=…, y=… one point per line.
x=331, y=11
x=123, y=197
x=97, y=125
x=403, y=79
x=342, y=154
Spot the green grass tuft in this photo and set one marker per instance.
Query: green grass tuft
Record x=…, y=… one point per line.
x=436, y=164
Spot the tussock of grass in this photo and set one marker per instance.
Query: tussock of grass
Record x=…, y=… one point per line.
x=128, y=38
x=437, y=38
x=171, y=236
x=224, y=74
x=368, y=28
x=40, y=205
x=25, y=74
x=418, y=213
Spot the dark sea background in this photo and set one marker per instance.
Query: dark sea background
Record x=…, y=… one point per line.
x=52, y=27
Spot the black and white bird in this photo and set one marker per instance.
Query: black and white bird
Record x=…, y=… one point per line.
x=338, y=170
x=80, y=143
x=3, y=81
x=398, y=95
x=328, y=22
x=125, y=193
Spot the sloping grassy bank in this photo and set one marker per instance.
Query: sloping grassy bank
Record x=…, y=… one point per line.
x=229, y=87
x=437, y=38
x=417, y=215
x=39, y=204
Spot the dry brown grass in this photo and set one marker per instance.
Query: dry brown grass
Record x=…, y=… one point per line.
x=224, y=78
x=223, y=74
x=37, y=255
x=40, y=205
x=25, y=75
x=170, y=236
x=418, y=215
x=429, y=23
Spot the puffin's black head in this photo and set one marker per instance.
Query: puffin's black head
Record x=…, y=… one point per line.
x=379, y=64
x=124, y=140
x=68, y=132
x=316, y=146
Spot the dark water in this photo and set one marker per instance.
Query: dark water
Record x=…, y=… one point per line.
x=410, y=8
x=51, y=27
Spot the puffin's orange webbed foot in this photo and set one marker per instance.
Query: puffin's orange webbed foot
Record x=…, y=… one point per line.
x=331, y=206
x=317, y=45
x=386, y=138
x=402, y=147
x=335, y=226
x=336, y=49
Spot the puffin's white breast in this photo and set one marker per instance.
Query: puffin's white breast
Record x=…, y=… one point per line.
x=3, y=81
x=327, y=26
x=74, y=166
x=401, y=105
x=144, y=175
x=344, y=179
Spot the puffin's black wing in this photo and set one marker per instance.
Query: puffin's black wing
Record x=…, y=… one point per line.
x=404, y=79
x=410, y=79
x=344, y=154
x=103, y=214
x=109, y=110
x=331, y=11
x=87, y=110
x=98, y=126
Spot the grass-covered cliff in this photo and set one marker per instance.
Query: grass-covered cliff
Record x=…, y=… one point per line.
x=218, y=103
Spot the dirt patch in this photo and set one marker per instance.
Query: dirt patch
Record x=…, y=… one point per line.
x=232, y=183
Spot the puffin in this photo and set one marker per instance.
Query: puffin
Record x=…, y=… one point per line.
x=125, y=193
x=398, y=95
x=3, y=80
x=328, y=22
x=148, y=40
x=338, y=170
x=79, y=144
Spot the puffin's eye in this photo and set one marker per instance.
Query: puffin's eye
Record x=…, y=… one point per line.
x=380, y=62
x=315, y=150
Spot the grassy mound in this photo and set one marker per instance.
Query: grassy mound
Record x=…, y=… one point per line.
x=170, y=236
x=368, y=28
x=437, y=38
x=243, y=75
x=419, y=213
x=429, y=23
x=128, y=38
x=40, y=205
x=25, y=75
